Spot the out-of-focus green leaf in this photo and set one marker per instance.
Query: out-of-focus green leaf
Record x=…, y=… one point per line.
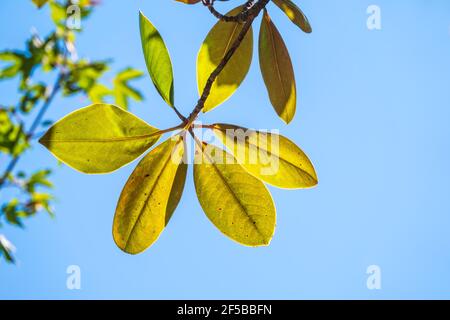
x=6, y=249
x=294, y=14
x=16, y=61
x=214, y=47
x=237, y=203
x=157, y=59
x=268, y=156
x=38, y=179
x=277, y=70
x=149, y=197
x=99, y=138
x=58, y=13
x=13, y=139
x=31, y=97
x=122, y=89
x=98, y=93
x=84, y=76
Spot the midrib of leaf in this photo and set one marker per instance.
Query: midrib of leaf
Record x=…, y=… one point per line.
x=279, y=157
x=272, y=43
x=146, y=201
x=103, y=140
x=230, y=40
x=253, y=222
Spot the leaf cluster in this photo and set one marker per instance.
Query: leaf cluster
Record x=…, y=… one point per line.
x=230, y=181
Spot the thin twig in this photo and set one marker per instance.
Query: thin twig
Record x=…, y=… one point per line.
x=240, y=17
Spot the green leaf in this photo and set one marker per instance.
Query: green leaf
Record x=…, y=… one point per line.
x=157, y=59
x=38, y=179
x=122, y=89
x=294, y=14
x=99, y=138
x=98, y=93
x=16, y=61
x=13, y=139
x=40, y=3
x=238, y=204
x=268, y=156
x=6, y=249
x=58, y=13
x=149, y=197
x=214, y=47
x=277, y=70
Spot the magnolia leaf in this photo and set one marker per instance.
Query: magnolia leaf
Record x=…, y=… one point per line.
x=189, y=1
x=237, y=203
x=40, y=3
x=149, y=197
x=268, y=156
x=294, y=14
x=217, y=43
x=157, y=59
x=99, y=138
x=277, y=70
x=122, y=89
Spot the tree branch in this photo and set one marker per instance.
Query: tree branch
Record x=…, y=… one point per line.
x=253, y=12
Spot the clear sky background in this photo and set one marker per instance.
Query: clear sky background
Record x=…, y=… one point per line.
x=373, y=115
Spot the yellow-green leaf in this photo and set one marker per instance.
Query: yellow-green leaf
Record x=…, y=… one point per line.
x=277, y=70
x=99, y=138
x=149, y=197
x=216, y=45
x=40, y=3
x=268, y=156
x=294, y=14
x=157, y=59
x=237, y=203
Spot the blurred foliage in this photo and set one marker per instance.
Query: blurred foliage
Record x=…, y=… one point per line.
x=45, y=57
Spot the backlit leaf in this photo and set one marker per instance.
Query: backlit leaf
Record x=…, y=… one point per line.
x=216, y=45
x=276, y=69
x=99, y=138
x=294, y=14
x=149, y=197
x=157, y=59
x=238, y=204
x=268, y=156
x=189, y=1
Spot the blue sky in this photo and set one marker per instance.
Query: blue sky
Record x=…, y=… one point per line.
x=373, y=116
